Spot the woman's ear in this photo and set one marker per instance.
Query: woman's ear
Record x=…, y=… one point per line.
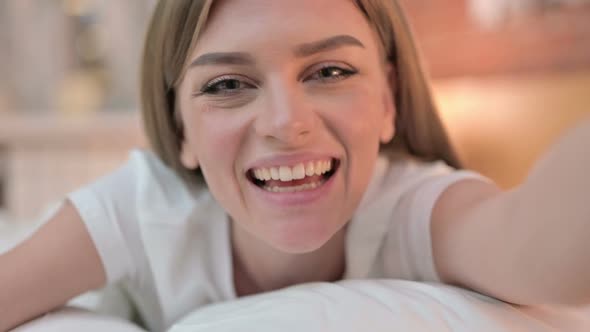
x=187, y=157
x=388, y=124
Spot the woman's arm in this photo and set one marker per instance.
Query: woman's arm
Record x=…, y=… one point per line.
x=530, y=245
x=56, y=264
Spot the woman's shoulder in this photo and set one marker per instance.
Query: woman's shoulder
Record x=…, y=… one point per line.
x=150, y=170
x=145, y=163
x=399, y=173
x=401, y=170
x=145, y=187
x=404, y=166
x=159, y=188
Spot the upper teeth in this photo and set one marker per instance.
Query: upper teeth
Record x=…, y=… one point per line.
x=297, y=172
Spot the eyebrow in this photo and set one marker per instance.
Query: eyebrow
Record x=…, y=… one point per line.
x=300, y=51
x=327, y=44
x=219, y=58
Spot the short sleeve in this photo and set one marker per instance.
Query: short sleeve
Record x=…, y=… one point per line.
x=112, y=208
x=106, y=209
x=407, y=251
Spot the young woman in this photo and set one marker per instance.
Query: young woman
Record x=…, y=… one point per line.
x=297, y=141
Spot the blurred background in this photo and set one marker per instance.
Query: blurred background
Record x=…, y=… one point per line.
x=509, y=75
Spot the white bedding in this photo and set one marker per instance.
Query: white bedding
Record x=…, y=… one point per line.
x=347, y=306
x=77, y=320
x=377, y=305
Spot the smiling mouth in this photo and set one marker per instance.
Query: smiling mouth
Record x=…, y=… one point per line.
x=289, y=179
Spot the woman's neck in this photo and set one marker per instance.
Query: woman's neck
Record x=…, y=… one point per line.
x=260, y=268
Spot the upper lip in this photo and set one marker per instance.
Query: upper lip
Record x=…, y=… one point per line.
x=288, y=160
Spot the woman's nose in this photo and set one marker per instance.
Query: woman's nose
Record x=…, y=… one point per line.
x=287, y=119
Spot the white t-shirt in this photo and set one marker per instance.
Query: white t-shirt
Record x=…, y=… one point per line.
x=168, y=249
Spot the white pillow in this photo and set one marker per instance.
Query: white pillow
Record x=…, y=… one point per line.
x=76, y=320
x=373, y=305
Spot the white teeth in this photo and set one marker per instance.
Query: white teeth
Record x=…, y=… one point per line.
x=285, y=173
x=274, y=173
x=310, y=169
x=319, y=168
x=306, y=186
x=266, y=174
x=297, y=172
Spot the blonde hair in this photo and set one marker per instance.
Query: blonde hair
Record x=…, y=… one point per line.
x=174, y=30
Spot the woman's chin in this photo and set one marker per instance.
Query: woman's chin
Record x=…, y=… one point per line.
x=299, y=247
x=302, y=241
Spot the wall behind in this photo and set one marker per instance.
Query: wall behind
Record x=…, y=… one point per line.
x=507, y=88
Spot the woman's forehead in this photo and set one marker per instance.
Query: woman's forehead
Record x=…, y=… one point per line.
x=235, y=22
x=238, y=8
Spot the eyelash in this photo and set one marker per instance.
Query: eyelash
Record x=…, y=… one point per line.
x=344, y=74
x=212, y=87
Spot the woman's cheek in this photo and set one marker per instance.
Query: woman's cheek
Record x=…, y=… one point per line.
x=219, y=139
x=356, y=113
x=223, y=135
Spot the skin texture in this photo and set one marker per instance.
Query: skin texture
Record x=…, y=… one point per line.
x=526, y=246
x=283, y=105
x=287, y=111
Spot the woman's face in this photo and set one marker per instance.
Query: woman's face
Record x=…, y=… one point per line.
x=284, y=105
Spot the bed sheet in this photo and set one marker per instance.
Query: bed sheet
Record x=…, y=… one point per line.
x=377, y=305
x=363, y=305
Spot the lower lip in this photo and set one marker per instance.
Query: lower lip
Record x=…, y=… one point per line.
x=298, y=198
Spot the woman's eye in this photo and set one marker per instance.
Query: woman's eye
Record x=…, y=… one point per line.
x=331, y=73
x=223, y=86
